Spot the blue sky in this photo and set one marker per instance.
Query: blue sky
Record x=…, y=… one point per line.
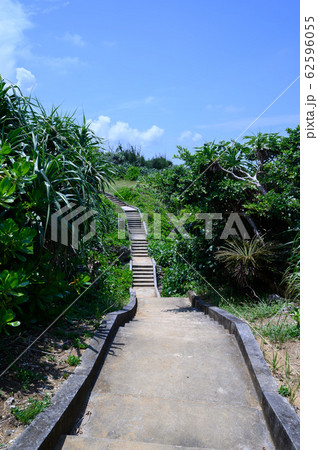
x=157, y=74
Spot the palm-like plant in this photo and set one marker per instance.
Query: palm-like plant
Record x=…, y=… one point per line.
x=246, y=259
x=47, y=161
x=65, y=157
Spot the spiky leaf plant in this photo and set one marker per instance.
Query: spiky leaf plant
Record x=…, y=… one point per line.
x=245, y=259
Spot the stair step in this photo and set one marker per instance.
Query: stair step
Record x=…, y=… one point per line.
x=149, y=270
x=139, y=246
x=93, y=443
x=143, y=272
x=143, y=285
x=139, y=241
x=140, y=274
x=143, y=277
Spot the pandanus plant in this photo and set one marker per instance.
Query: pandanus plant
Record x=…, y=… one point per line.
x=246, y=259
x=47, y=161
x=66, y=158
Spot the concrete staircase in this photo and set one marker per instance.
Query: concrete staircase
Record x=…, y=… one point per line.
x=142, y=265
x=115, y=200
x=172, y=378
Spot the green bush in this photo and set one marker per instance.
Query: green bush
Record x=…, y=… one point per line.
x=132, y=173
x=259, y=179
x=47, y=162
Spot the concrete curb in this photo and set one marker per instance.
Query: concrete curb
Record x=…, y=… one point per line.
x=282, y=420
x=155, y=277
x=58, y=419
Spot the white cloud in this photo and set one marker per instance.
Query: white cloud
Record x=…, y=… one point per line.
x=74, y=39
x=124, y=133
x=25, y=80
x=190, y=137
x=13, y=22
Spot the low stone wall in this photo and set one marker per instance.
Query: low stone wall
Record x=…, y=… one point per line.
x=59, y=417
x=281, y=418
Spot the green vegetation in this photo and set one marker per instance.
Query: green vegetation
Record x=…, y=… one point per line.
x=132, y=173
x=49, y=162
x=78, y=344
x=27, y=414
x=26, y=376
x=280, y=332
x=131, y=163
x=255, y=279
x=73, y=360
x=245, y=258
x=259, y=180
x=284, y=391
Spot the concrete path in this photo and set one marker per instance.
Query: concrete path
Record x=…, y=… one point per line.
x=173, y=379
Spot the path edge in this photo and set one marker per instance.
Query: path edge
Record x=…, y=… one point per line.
x=282, y=420
x=58, y=419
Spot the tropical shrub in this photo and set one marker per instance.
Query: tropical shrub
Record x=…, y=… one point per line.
x=246, y=259
x=132, y=173
x=48, y=162
x=259, y=179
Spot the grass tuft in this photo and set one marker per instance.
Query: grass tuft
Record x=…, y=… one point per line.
x=73, y=360
x=27, y=414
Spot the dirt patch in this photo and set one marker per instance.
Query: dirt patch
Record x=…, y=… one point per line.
x=284, y=362
x=281, y=353
x=40, y=371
